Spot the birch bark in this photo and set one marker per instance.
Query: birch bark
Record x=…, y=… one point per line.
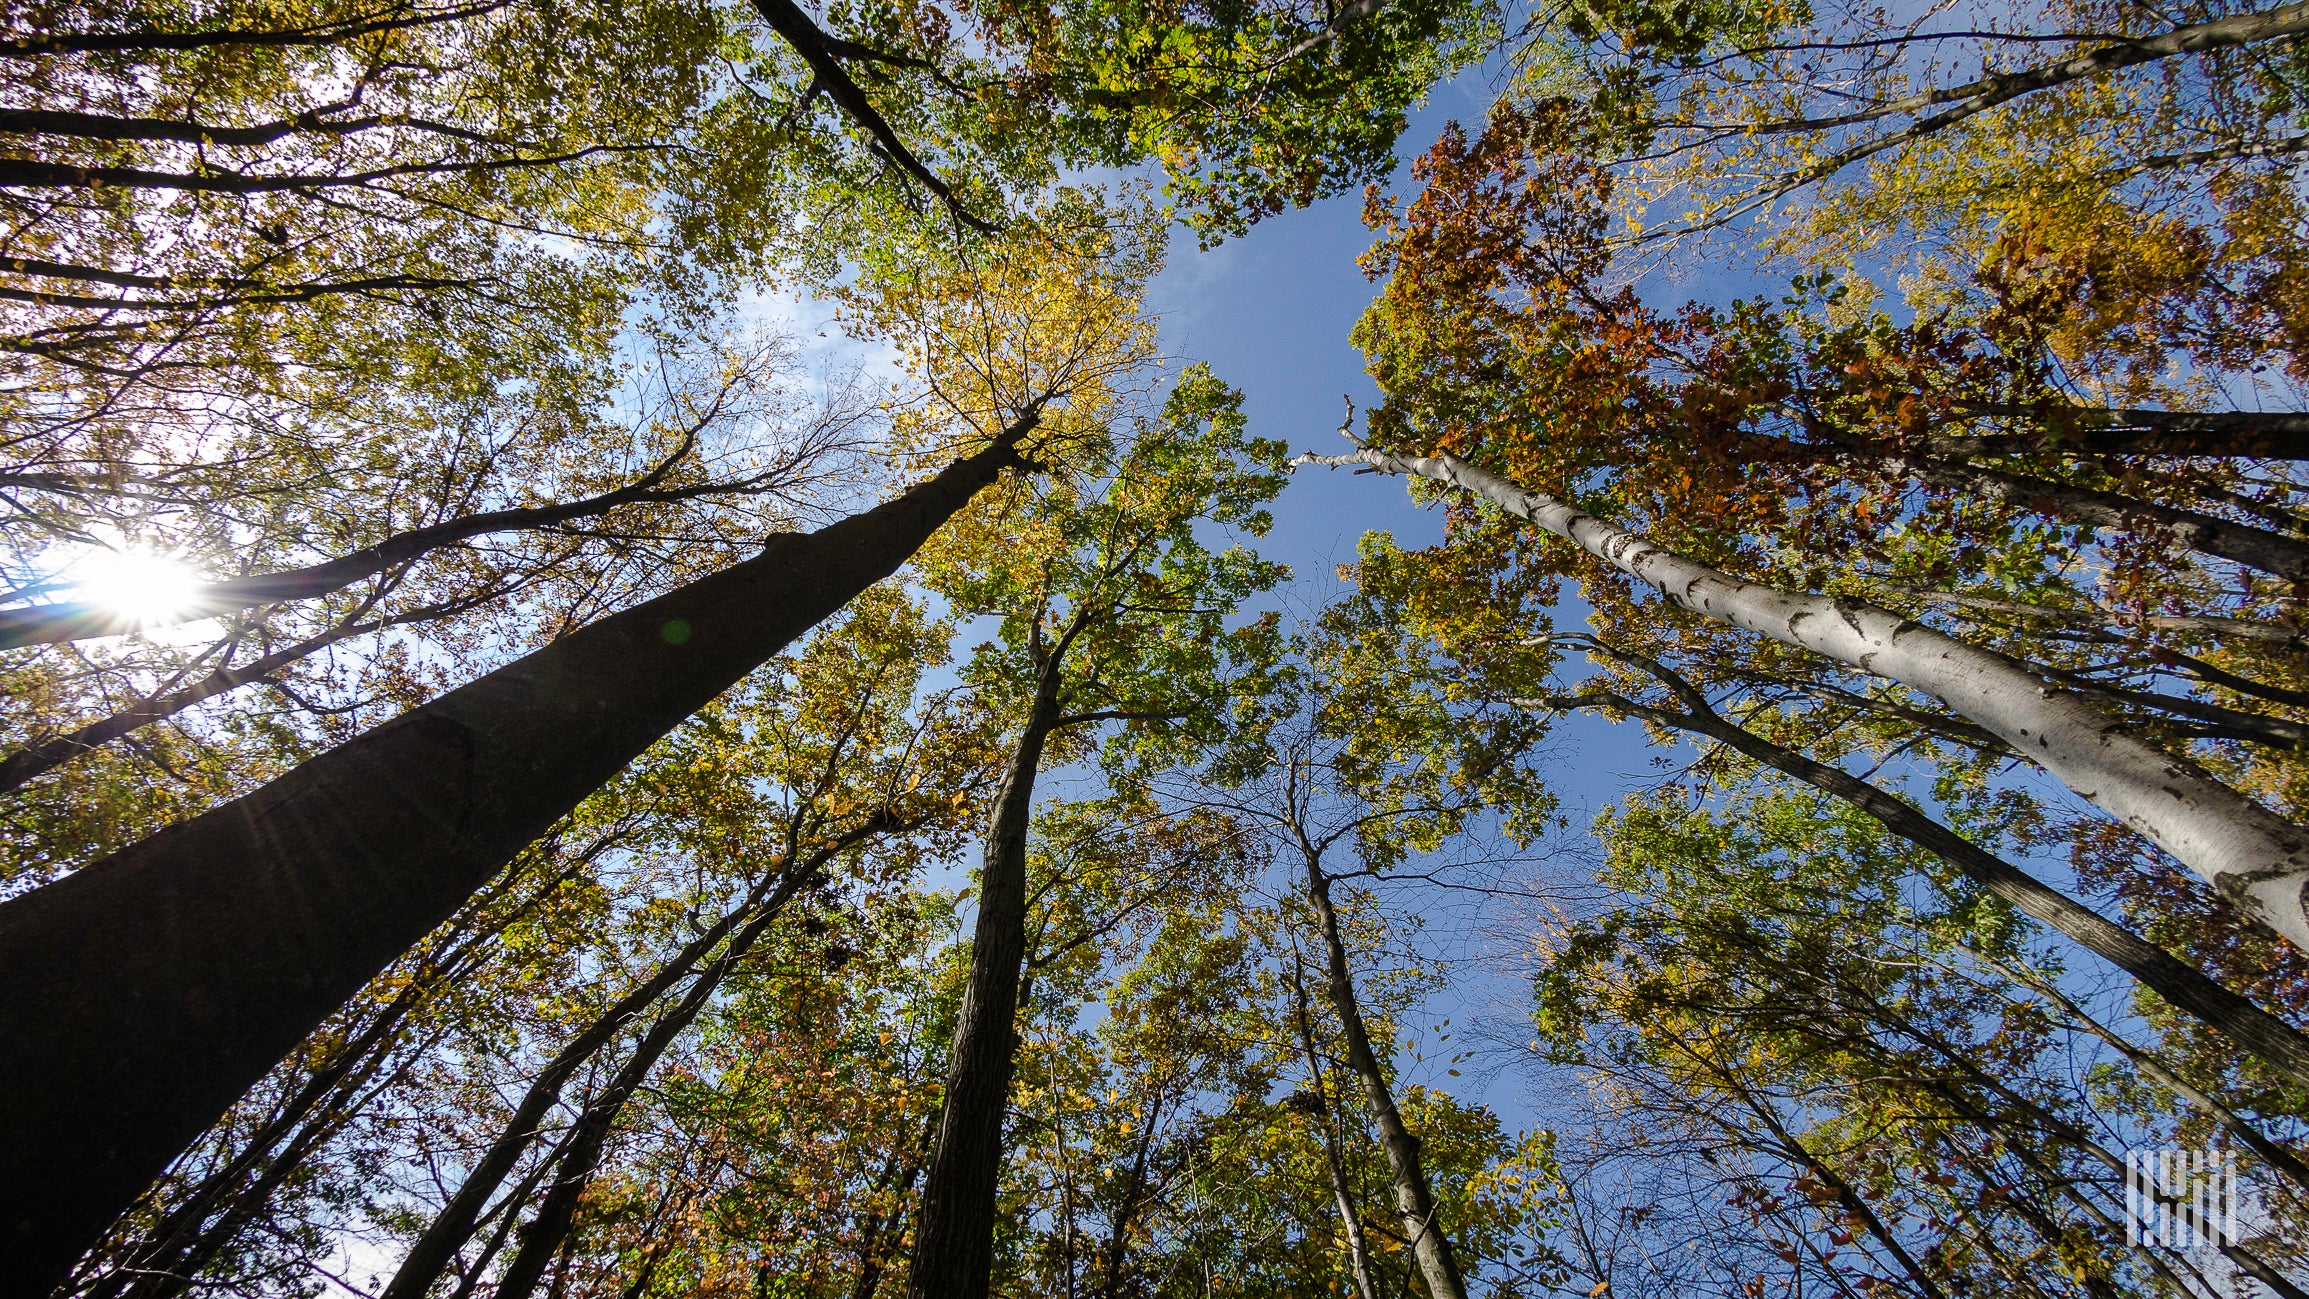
x=2253, y=856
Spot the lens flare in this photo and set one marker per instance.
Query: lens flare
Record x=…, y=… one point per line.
x=137, y=584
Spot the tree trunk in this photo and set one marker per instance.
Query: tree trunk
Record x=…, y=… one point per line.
x=2090, y=430
x=1413, y=1197
x=954, y=1228
x=2252, y=855
x=2278, y=1044
x=1351, y=1221
x=194, y=1230
x=2257, y=548
x=146, y=992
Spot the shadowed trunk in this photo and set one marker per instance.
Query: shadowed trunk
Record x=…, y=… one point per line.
x=954, y=1228
x=2259, y=548
x=144, y=994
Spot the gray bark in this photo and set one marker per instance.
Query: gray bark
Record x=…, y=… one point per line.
x=1414, y=1199
x=2254, y=857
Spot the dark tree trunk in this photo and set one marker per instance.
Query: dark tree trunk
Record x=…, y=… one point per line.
x=141, y=996
x=2254, y=435
x=954, y=1229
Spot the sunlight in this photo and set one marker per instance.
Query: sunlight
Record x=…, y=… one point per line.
x=138, y=584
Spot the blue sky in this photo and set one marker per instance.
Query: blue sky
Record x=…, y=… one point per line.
x=1270, y=313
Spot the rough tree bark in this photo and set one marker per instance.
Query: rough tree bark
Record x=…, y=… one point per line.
x=2278, y=1044
x=1342, y=1194
x=1414, y=1199
x=954, y=1228
x=143, y=994
x=2252, y=855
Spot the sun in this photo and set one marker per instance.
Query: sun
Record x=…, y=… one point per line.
x=141, y=585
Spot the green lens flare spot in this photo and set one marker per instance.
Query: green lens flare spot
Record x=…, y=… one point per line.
x=675, y=632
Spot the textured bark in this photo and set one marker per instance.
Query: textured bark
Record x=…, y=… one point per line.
x=1414, y=1199
x=2253, y=856
x=954, y=1228
x=1350, y=1221
x=147, y=992
x=2278, y=1044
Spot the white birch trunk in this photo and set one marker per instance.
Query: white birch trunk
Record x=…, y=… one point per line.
x=2254, y=857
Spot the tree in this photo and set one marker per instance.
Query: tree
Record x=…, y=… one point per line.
x=1354, y=752
x=1112, y=610
x=1847, y=1064
x=279, y=906
x=2280, y=1046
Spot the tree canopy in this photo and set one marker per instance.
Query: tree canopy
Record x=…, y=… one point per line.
x=631, y=664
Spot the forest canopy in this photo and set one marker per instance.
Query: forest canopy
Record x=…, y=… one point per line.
x=636, y=663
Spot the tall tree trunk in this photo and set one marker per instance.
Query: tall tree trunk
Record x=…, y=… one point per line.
x=1414, y=1198
x=954, y=1228
x=2252, y=855
x=145, y=993
x=211, y=1215
x=2278, y=1044
x=1350, y=1220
